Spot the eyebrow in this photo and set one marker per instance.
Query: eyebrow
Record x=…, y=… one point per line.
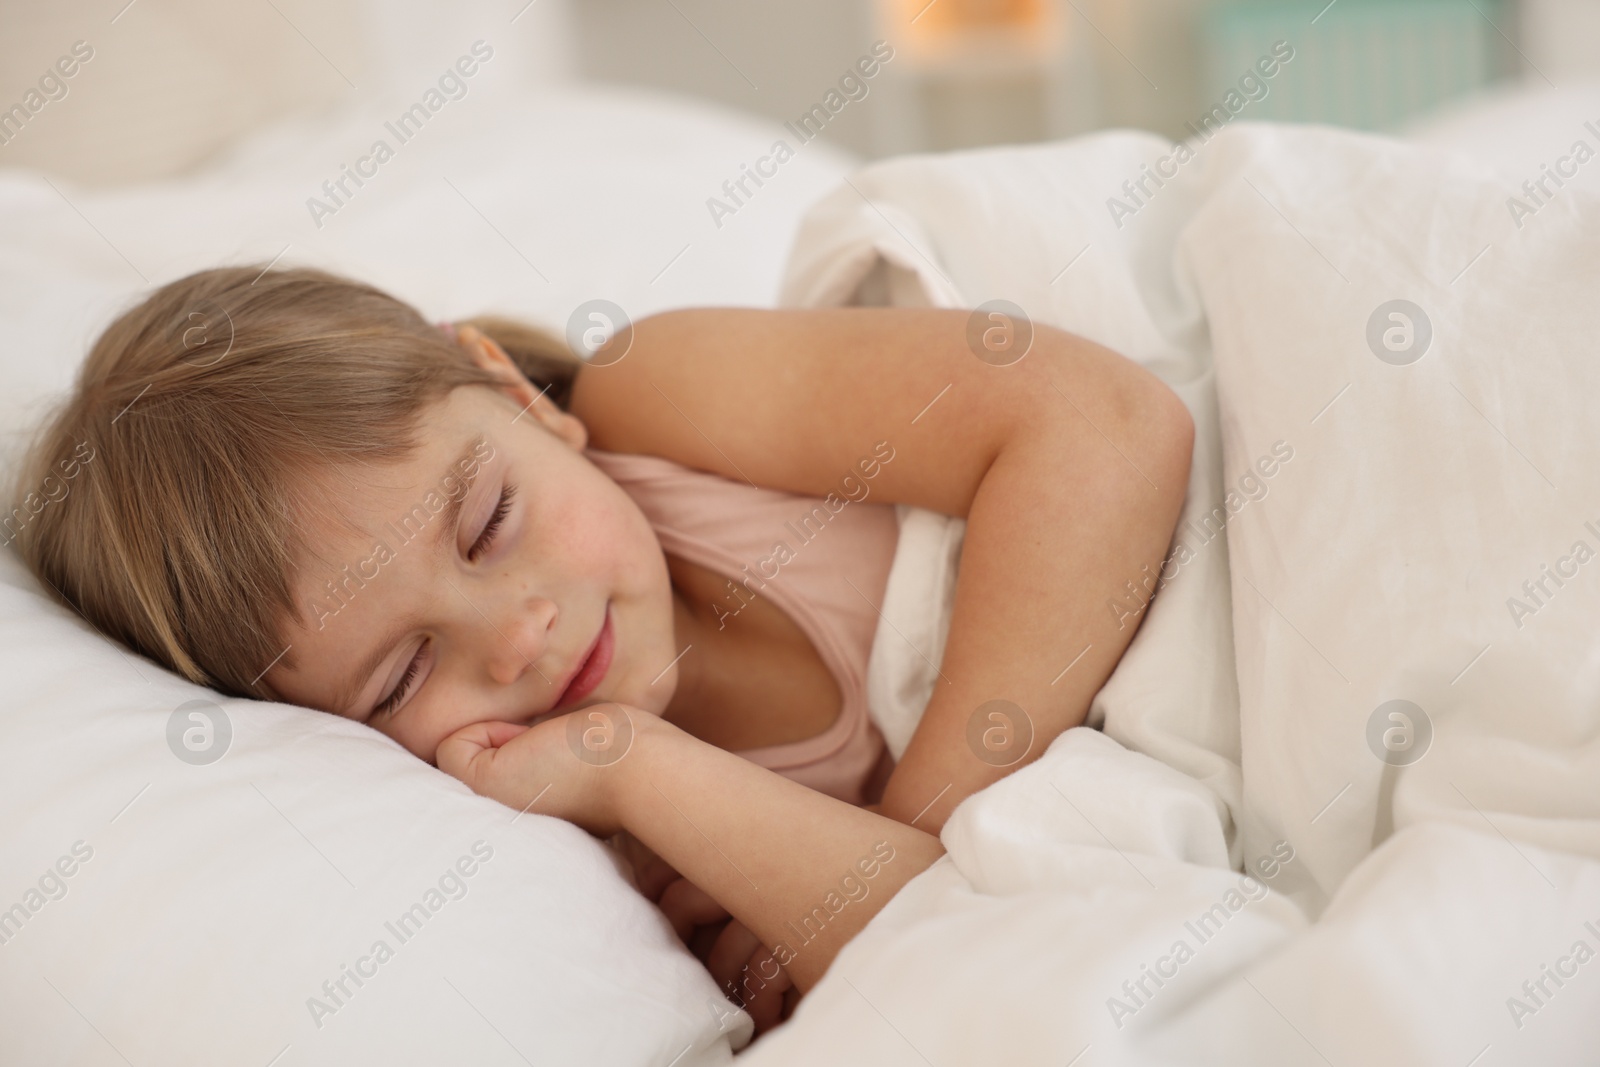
x=448, y=521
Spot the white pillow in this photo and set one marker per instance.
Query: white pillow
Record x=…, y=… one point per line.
x=198, y=909
x=201, y=907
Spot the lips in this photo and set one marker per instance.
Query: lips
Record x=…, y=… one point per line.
x=592, y=669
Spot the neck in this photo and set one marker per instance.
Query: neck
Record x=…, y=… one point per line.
x=685, y=631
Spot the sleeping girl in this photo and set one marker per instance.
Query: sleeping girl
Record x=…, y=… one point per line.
x=635, y=590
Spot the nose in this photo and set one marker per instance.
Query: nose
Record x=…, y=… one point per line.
x=518, y=638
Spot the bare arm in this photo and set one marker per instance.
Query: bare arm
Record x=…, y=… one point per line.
x=1070, y=466
x=803, y=871
x=1065, y=535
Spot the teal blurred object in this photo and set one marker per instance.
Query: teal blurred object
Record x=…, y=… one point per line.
x=1368, y=64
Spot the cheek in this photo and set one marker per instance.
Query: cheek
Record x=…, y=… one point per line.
x=602, y=537
x=449, y=707
x=591, y=537
x=629, y=556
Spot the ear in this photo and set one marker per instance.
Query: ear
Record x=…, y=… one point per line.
x=534, y=404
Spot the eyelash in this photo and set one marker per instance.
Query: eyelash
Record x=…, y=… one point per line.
x=392, y=702
x=486, y=538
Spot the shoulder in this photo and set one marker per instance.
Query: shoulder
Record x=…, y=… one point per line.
x=793, y=399
x=694, y=379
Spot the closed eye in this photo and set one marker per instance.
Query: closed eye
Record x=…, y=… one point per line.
x=391, y=703
x=490, y=528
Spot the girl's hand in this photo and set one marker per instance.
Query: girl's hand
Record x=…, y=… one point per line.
x=517, y=765
x=741, y=965
x=733, y=957
x=609, y=767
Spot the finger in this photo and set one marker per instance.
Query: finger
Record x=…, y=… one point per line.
x=651, y=873
x=655, y=879
x=686, y=906
x=766, y=999
x=637, y=859
x=501, y=732
x=765, y=1012
x=654, y=874
x=729, y=955
x=458, y=753
x=704, y=939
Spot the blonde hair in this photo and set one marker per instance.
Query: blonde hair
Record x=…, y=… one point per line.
x=159, y=499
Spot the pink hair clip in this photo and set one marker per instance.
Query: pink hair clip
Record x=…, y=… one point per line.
x=447, y=328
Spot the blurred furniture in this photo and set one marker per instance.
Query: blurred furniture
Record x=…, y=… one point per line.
x=172, y=83
x=979, y=72
x=1561, y=39
x=1369, y=64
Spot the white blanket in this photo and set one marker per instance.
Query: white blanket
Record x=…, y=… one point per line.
x=1423, y=884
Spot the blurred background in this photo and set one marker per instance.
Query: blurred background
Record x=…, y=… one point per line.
x=173, y=82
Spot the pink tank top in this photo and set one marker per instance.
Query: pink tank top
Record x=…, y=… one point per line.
x=804, y=558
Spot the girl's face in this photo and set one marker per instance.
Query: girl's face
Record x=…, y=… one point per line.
x=468, y=583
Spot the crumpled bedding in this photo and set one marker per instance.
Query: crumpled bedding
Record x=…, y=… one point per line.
x=1339, y=802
